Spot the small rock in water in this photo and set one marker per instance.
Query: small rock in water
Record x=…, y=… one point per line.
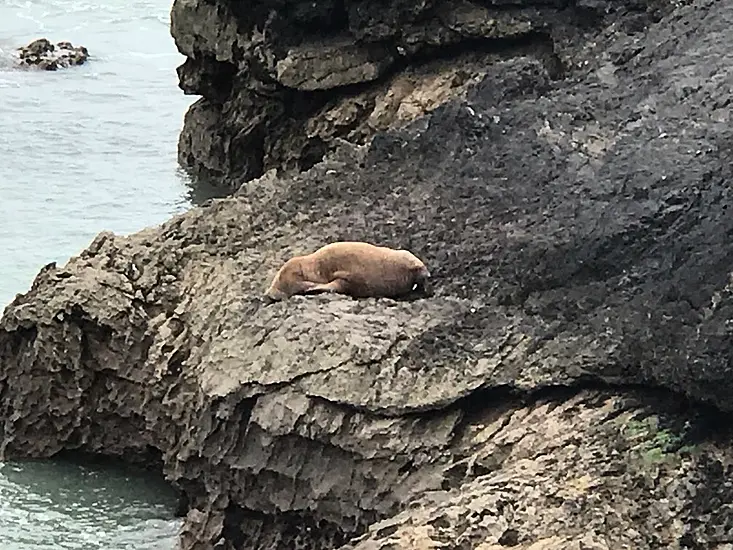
x=44, y=55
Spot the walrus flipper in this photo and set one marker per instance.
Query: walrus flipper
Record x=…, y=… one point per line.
x=339, y=286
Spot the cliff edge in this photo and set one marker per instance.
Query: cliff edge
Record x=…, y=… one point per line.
x=566, y=386
x=282, y=83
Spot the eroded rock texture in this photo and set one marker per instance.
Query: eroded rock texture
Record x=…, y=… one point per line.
x=579, y=232
x=282, y=82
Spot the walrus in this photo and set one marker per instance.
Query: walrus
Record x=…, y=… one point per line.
x=357, y=269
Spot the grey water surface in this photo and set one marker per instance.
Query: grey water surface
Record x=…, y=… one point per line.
x=48, y=505
x=82, y=150
x=86, y=148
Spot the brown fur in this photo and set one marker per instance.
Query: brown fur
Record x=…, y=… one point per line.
x=355, y=268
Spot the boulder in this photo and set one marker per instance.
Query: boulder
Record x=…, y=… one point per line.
x=281, y=84
x=42, y=54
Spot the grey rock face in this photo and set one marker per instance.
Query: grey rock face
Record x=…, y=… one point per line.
x=331, y=64
x=566, y=386
x=271, y=72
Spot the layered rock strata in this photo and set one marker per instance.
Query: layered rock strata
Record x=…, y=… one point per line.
x=548, y=395
x=281, y=83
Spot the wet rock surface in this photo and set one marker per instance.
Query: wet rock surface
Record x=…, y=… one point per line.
x=45, y=55
x=553, y=392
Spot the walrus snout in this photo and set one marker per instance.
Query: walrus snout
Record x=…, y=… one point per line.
x=422, y=275
x=421, y=282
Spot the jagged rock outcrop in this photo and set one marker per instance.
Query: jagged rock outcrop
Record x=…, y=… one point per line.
x=282, y=83
x=590, y=471
x=579, y=234
x=42, y=54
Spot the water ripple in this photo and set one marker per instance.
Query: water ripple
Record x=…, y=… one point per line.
x=81, y=151
x=90, y=148
x=62, y=504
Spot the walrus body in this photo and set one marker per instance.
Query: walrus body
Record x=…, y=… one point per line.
x=354, y=268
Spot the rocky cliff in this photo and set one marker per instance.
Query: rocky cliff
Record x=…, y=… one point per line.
x=283, y=82
x=567, y=385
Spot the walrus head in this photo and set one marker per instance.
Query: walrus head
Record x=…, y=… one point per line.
x=420, y=281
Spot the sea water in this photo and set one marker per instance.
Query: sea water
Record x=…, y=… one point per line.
x=82, y=150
